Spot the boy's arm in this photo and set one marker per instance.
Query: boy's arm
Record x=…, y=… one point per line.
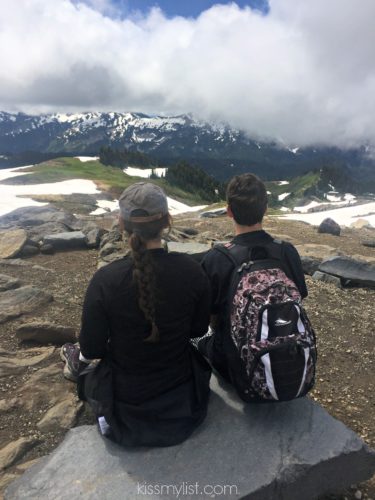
x=295, y=266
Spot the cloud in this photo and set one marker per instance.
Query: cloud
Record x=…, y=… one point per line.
x=303, y=73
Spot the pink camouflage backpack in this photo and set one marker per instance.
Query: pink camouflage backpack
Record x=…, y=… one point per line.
x=273, y=341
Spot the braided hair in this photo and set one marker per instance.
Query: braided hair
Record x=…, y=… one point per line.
x=144, y=270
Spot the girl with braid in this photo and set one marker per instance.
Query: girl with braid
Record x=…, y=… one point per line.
x=151, y=385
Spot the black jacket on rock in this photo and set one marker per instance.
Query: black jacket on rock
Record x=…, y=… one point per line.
x=153, y=393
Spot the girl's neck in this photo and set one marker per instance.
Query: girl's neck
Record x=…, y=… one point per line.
x=152, y=244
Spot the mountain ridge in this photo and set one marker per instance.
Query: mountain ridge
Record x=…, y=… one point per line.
x=215, y=147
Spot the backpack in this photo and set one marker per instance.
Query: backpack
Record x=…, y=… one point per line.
x=274, y=354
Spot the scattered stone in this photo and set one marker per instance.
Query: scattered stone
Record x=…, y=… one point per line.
x=93, y=237
x=37, y=233
x=113, y=236
x=110, y=248
x=14, y=303
x=197, y=249
x=66, y=241
x=46, y=333
x=368, y=243
x=29, y=250
x=312, y=455
x=317, y=251
x=11, y=242
x=214, y=213
x=309, y=264
x=329, y=226
x=47, y=249
x=8, y=404
x=61, y=416
x=360, y=223
x=14, y=363
x=8, y=282
x=351, y=272
x=327, y=278
x=15, y=450
x=38, y=388
x=190, y=231
x=358, y=495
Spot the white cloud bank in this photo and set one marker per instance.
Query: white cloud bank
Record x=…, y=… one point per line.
x=304, y=73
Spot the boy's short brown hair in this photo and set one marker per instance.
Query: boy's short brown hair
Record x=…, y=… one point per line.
x=247, y=199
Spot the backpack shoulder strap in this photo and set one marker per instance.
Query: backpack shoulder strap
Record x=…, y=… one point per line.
x=237, y=254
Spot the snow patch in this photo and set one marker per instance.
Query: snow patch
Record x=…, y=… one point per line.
x=145, y=172
x=344, y=216
x=87, y=158
x=283, y=196
x=282, y=183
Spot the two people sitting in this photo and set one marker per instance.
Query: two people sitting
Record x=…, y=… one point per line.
x=141, y=312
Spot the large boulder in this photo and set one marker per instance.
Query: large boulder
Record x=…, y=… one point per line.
x=25, y=299
x=66, y=241
x=285, y=451
x=26, y=217
x=11, y=242
x=46, y=333
x=329, y=226
x=351, y=272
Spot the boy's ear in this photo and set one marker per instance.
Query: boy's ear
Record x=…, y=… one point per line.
x=229, y=212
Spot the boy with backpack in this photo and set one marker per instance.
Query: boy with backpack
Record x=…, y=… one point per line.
x=262, y=341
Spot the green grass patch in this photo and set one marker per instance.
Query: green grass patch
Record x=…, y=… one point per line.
x=109, y=179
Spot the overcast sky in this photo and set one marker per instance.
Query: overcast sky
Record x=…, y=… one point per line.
x=301, y=70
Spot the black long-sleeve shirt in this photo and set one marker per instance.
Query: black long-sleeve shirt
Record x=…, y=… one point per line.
x=113, y=325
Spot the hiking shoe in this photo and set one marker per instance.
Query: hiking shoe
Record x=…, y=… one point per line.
x=69, y=353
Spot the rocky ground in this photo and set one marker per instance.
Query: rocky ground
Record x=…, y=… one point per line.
x=37, y=405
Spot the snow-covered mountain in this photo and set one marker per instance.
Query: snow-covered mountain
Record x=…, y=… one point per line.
x=220, y=150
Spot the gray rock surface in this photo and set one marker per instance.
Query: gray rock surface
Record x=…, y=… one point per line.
x=35, y=216
x=309, y=264
x=329, y=226
x=350, y=271
x=369, y=243
x=190, y=248
x=46, y=333
x=11, y=242
x=287, y=451
x=93, y=237
x=29, y=250
x=327, y=278
x=14, y=303
x=8, y=282
x=66, y=241
x=214, y=213
x=15, y=450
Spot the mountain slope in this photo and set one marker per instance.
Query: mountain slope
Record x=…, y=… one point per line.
x=218, y=149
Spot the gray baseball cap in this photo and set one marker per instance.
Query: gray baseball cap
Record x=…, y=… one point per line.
x=144, y=196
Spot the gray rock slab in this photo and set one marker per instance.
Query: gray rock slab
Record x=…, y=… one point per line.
x=286, y=451
x=350, y=271
x=14, y=303
x=327, y=278
x=8, y=282
x=66, y=241
x=309, y=265
x=190, y=248
x=46, y=333
x=35, y=216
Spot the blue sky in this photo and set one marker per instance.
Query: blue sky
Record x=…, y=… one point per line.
x=185, y=8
